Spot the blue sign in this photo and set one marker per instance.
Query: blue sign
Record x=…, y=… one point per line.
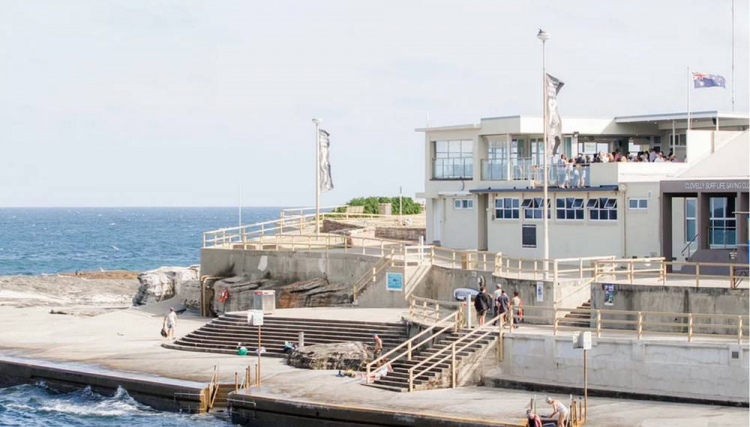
x=394, y=282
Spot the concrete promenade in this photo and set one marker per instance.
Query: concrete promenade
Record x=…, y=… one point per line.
x=129, y=341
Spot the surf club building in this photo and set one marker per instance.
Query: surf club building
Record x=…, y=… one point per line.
x=483, y=187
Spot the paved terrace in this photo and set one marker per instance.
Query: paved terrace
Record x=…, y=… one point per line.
x=129, y=341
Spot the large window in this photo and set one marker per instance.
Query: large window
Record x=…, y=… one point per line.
x=453, y=159
x=722, y=231
x=569, y=208
x=690, y=219
x=463, y=204
x=532, y=208
x=506, y=208
x=602, y=209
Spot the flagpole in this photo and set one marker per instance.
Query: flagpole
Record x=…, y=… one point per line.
x=543, y=36
x=317, y=175
x=733, y=56
x=688, y=100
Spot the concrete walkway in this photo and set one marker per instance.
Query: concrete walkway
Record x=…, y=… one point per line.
x=129, y=341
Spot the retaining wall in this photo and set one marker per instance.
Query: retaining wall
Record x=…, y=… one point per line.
x=692, y=371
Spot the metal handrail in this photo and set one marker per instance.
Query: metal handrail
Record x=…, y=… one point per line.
x=486, y=329
x=689, y=244
x=451, y=318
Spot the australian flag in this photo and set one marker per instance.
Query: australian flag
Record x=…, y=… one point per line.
x=708, y=80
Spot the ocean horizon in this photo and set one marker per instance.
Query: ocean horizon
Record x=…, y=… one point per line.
x=49, y=240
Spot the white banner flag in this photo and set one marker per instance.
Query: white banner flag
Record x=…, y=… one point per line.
x=324, y=163
x=554, y=124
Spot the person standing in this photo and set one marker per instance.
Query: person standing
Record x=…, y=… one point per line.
x=378, y=346
x=558, y=409
x=503, y=302
x=482, y=304
x=517, y=307
x=170, y=323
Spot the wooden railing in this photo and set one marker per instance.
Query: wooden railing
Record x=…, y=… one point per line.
x=372, y=275
x=409, y=346
x=213, y=387
x=640, y=323
x=426, y=311
x=451, y=351
x=298, y=224
x=662, y=272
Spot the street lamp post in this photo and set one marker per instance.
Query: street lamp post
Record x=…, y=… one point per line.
x=317, y=175
x=544, y=36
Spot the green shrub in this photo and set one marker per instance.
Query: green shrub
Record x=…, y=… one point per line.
x=372, y=205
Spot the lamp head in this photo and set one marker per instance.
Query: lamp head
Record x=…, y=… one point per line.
x=542, y=35
x=317, y=121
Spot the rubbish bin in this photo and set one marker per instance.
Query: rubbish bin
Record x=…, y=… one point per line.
x=264, y=301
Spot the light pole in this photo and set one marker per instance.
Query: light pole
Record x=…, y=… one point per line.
x=317, y=174
x=543, y=36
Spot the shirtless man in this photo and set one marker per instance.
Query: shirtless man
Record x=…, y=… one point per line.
x=378, y=345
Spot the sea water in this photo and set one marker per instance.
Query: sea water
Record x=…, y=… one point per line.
x=38, y=406
x=54, y=240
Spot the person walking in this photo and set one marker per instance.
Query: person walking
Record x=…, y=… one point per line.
x=378, y=346
x=482, y=304
x=170, y=323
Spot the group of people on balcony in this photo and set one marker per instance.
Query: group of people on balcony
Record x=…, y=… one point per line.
x=653, y=155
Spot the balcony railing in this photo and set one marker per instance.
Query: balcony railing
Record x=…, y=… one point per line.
x=569, y=175
x=453, y=168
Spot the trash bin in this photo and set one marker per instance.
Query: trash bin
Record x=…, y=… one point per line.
x=264, y=301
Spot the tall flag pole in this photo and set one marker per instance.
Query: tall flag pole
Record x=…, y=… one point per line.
x=543, y=36
x=733, y=56
x=688, y=100
x=317, y=175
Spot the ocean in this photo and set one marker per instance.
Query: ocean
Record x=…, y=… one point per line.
x=38, y=406
x=55, y=240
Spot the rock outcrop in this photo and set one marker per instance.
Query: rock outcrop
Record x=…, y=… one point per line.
x=166, y=282
x=349, y=355
x=240, y=289
x=313, y=293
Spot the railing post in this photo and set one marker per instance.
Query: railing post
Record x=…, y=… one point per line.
x=484, y=261
x=640, y=325
x=697, y=275
x=554, y=323
x=453, y=364
x=535, y=268
x=408, y=355
x=598, y=323
x=690, y=327
x=432, y=255
x=555, y=273
x=204, y=240
x=731, y=276
x=382, y=249
x=520, y=267
x=424, y=311
x=437, y=312
x=509, y=313
x=411, y=381
x=580, y=268
x=630, y=271
x=454, y=259
x=739, y=329
x=223, y=237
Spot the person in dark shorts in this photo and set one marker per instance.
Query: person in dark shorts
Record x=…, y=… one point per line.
x=482, y=304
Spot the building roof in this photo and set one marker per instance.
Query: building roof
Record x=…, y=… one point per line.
x=668, y=117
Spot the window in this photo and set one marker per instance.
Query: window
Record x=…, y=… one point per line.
x=602, y=209
x=453, y=159
x=463, y=204
x=569, y=208
x=690, y=219
x=637, y=204
x=506, y=208
x=528, y=236
x=722, y=232
x=532, y=208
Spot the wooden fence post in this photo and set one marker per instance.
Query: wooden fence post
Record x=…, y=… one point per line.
x=640, y=325
x=739, y=329
x=690, y=327
x=697, y=275
x=598, y=323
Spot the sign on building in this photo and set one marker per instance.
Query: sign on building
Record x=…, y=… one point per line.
x=539, y=291
x=394, y=282
x=609, y=294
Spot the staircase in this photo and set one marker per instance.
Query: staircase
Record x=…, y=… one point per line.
x=577, y=319
x=222, y=335
x=222, y=395
x=439, y=376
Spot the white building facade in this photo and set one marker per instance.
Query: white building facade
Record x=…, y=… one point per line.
x=483, y=183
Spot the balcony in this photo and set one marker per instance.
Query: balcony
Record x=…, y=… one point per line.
x=453, y=168
x=569, y=176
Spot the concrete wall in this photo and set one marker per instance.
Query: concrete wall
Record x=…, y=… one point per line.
x=336, y=266
x=671, y=369
x=400, y=233
x=674, y=299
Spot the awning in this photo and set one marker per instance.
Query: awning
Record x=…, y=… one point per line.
x=603, y=188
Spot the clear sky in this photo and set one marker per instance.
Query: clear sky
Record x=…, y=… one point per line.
x=181, y=103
